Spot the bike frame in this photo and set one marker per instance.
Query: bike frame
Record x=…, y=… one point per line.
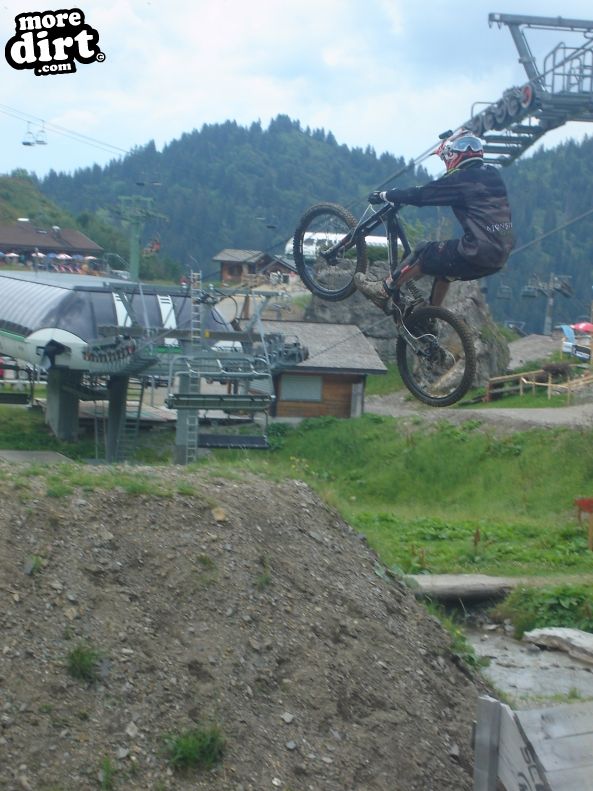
x=387, y=216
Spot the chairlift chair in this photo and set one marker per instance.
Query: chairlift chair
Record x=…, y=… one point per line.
x=529, y=292
x=41, y=136
x=563, y=286
x=28, y=139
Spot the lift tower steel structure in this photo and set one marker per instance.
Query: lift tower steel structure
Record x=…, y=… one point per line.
x=561, y=92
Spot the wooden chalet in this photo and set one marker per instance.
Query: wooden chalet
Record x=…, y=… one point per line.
x=237, y=265
x=331, y=381
x=24, y=238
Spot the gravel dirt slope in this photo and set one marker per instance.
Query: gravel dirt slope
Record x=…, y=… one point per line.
x=241, y=603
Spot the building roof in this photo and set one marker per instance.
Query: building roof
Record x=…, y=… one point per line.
x=82, y=304
x=26, y=237
x=230, y=255
x=335, y=348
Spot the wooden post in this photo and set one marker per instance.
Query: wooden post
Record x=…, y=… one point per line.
x=585, y=506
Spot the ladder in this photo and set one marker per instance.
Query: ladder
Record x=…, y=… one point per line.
x=193, y=385
x=130, y=428
x=562, y=92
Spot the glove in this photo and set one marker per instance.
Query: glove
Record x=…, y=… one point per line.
x=377, y=197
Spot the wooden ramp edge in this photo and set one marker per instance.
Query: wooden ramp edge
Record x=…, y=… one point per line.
x=542, y=749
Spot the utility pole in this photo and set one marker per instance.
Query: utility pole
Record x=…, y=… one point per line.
x=135, y=210
x=557, y=284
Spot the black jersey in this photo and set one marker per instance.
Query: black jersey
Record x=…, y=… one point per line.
x=478, y=197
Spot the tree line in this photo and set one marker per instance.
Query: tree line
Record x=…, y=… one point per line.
x=230, y=186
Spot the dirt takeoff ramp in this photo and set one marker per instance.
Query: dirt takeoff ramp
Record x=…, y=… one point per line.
x=243, y=603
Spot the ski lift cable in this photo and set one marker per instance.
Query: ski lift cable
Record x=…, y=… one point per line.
x=519, y=249
x=22, y=116
x=553, y=231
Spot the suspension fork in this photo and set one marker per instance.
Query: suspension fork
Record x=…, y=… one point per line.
x=395, y=234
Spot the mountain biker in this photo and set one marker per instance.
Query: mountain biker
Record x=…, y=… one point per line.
x=478, y=197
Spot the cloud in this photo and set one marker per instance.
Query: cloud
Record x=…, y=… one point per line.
x=385, y=73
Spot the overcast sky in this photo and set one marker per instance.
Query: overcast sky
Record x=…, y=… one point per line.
x=387, y=73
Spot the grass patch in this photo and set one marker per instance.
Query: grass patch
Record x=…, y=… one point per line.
x=536, y=608
x=83, y=663
x=383, y=384
x=57, y=487
x=25, y=429
x=207, y=573
x=460, y=646
x=537, y=400
x=107, y=774
x=444, y=498
x=34, y=564
x=197, y=748
x=264, y=578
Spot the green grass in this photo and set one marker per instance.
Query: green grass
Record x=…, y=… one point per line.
x=529, y=608
x=437, y=499
x=446, y=498
x=197, y=748
x=83, y=663
x=106, y=774
x=383, y=384
x=460, y=646
x=25, y=429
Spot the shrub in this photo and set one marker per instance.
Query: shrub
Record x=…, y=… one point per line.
x=199, y=748
x=535, y=608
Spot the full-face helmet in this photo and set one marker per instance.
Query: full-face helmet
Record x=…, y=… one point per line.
x=459, y=147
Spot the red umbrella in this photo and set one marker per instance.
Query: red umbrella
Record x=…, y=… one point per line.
x=583, y=326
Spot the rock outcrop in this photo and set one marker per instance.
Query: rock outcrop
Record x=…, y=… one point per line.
x=464, y=298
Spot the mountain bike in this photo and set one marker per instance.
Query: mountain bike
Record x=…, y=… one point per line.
x=434, y=350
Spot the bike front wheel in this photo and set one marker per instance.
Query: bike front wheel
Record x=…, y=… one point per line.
x=329, y=276
x=436, y=356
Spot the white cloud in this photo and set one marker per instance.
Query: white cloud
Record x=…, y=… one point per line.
x=385, y=73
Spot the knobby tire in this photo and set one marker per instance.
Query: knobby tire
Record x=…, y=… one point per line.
x=333, y=281
x=445, y=369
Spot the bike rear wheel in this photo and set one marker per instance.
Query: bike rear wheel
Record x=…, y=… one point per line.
x=440, y=371
x=320, y=229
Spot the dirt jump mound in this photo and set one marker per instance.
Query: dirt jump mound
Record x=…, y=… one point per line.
x=241, y=608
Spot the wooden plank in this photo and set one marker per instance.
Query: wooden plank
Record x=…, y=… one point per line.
x=464, y=587
x=556, y=723
x=562, y=740
x=518, y=768
x=572, y=752
x=571, y=780
x=486, y=745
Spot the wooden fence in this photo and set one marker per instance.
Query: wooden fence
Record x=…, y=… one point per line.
x=522, y=383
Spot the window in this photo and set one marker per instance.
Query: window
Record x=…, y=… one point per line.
x=301, y=388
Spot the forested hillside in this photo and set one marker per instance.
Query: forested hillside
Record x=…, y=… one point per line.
x=548, y=190
x=225, y=185
x=231, y=186
x=20, y=196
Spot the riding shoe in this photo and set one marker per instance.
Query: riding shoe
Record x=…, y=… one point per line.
x=375, y=290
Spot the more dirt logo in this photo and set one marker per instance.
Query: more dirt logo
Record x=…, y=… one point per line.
x=50, y=42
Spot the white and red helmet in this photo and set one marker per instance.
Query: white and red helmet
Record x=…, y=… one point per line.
x=459, y=147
